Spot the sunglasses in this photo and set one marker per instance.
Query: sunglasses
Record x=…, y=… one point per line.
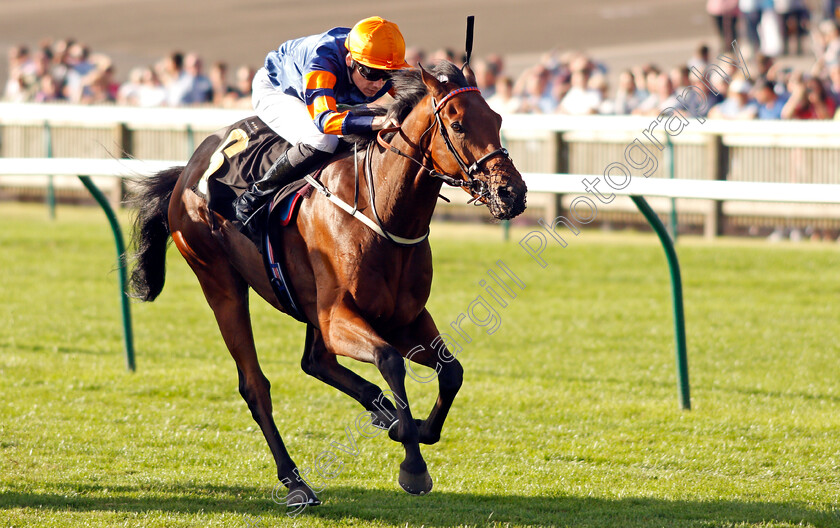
x=372, y=74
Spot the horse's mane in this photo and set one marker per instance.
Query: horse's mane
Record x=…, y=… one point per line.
x=409, y=88
x=409, y=91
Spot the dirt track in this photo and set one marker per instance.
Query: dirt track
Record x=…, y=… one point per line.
x=240, y=32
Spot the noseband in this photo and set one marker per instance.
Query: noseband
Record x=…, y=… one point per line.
x=478, y=189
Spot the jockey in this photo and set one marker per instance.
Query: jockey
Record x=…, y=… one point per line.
x=298, y=90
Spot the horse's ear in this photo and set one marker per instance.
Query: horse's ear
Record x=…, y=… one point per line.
x=469, y=75
x=435, y=87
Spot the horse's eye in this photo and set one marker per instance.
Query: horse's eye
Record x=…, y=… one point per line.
x=456, y=127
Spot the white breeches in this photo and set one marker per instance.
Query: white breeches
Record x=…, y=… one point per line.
x=287, y=115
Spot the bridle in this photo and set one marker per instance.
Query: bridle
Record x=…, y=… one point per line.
x=478, y=189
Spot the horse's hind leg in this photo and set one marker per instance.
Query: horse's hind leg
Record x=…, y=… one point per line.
x=318, y=362
x=227, y=294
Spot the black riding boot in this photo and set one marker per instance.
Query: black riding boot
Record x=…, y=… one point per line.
x=291, y=165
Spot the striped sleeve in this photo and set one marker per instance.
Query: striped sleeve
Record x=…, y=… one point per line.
x=319, y=96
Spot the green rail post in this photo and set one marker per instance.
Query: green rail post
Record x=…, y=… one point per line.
x=670, y=160
x=48, y=146
x=677, y=297
x=190, y=141
x=128, y=335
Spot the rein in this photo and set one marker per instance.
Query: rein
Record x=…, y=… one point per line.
x=378, y=227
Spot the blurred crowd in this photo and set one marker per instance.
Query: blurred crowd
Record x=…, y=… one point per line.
x=66, y=70
x=562, y=82
x=574, y=83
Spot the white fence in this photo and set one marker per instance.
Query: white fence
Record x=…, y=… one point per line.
x=778, y=152
x=537, y=182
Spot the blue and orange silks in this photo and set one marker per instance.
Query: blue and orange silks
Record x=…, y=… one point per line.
x=314, y=70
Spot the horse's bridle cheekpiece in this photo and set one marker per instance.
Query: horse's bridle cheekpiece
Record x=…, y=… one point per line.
x=477, y=188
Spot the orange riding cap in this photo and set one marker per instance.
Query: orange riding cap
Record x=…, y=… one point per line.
x=377, y=43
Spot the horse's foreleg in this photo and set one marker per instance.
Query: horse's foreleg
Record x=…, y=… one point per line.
x=347, y=333
x=319, y=363
x=421, y=343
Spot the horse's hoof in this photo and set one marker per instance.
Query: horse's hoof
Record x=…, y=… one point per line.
x=301, y=497
x=416, y=483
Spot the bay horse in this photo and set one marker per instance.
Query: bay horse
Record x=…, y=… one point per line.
x=363, y=295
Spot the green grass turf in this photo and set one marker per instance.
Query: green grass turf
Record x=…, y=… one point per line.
x=568, y=415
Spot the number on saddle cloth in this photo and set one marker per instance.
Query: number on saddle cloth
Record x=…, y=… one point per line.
x=247, y=151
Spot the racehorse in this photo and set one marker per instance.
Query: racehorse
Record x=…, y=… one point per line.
x=363, y=293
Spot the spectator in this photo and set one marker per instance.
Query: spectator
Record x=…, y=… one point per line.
x=17, y=89
x=680, y=78
x=502, y=100
x=700, y=60
x=41, y=64
x=60, y=60
x=771, y=33
x=599, y=86
x=218, y=76
x=143, y=89
x=442, y=54
x=766, y=67
x=19, y=84
x=823, y=105
x=497, y=63
x=626, y=97
x=724, y=13
x=533, y=91
x=770, y=103
x=100, y=87
x=49, y=90
x=664, y=99
x=750, y=11
x=581, y=99
x=191, y=86
x=700, y=99
x=485, y=78
x=129, y=92
x=834, y=81
x=240, y=94
x=170, y=68
x=808, y=100
x=414, y=56
x=568, y=82
x=151, y=92
x=831, y=9
x=827, y=43
x=640, y=74
x=795, y=18
x=560, y=85
x=737, y=104
x=79, y=66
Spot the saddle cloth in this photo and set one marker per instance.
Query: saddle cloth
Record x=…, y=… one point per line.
x=245, y=154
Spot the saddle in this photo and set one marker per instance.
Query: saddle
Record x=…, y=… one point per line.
x=244, y=155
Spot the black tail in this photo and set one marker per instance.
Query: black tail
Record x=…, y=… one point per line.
x=151, y=232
